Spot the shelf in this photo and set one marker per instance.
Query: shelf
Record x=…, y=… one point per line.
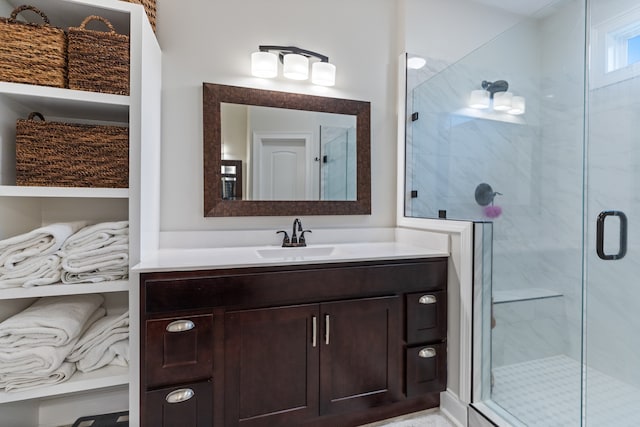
x=527, y=294
x=109, y=376
x=60, y=102
x=62, y=289
x=93, y=193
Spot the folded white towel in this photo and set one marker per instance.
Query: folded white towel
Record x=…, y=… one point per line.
x=94, y=276
x=98, y=332
x=114, y=256
x=15, y=383
x=41, y=241
x=98, y=236
x=40, y=360
x=104, y=353
x=54, y=321
x=33, y=271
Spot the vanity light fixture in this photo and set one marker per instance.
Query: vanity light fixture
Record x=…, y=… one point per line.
x=498, y=92
x=295, y=64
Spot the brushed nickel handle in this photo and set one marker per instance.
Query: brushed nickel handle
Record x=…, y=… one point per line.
x=326, y=329
x=180, y=326
x=315, y=331
x=180, y=395
x=427, y=299
x=426, y=353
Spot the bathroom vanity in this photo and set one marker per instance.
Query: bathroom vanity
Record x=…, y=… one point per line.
x=292, y=342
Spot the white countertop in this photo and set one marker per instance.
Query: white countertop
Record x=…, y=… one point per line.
x=256, y=256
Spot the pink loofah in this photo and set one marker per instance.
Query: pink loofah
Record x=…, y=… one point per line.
x=492, y=211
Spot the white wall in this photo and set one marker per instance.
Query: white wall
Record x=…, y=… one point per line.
x=211, y=41
x=448, y=30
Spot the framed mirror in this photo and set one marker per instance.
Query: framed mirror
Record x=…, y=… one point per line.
x=269, y=153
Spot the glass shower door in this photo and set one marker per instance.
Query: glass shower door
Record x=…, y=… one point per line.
x=612, y=290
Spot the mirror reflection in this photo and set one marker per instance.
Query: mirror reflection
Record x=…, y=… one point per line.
x=273, y=153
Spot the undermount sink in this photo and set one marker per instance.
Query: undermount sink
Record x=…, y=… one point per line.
x=302, y=252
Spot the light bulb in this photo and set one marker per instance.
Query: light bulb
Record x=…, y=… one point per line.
x=296, y=67
x=518, y=105
x=323, y=74
x=479, y=99
x=502, y=101
x=264, y=64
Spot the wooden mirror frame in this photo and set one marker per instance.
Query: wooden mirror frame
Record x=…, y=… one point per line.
x=214, y=206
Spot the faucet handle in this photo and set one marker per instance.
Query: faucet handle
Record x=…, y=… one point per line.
x=301, y=239
x=285, y=239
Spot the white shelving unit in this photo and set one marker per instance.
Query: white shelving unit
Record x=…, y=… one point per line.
x=25, y=208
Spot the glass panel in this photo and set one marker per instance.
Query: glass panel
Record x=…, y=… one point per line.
x=612, y=343
x=524, y=174
x=338, y=168
x=633, y=50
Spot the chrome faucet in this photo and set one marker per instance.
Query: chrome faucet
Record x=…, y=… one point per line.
x=295, y=241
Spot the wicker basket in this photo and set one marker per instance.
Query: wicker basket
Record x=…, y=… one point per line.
x=32, y=53
x=98, y=60
x=54, y=154
x=150, y=8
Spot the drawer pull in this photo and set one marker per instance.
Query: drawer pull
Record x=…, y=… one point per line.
x=427, y=299
x=426, y=353
x=180, y=326
x=180, y=395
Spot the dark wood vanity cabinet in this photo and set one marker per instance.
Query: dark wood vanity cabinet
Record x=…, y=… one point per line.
x=328, y=344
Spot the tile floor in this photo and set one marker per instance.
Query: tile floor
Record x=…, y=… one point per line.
x=429, y=418
x=546, y=393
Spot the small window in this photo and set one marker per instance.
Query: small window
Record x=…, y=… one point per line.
x=615, y=52
x=633, y=50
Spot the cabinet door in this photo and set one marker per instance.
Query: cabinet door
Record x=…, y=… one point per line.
x=360, y=353
x=271, y=366
x=186, y=405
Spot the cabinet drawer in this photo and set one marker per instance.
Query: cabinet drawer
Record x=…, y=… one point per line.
x=178, y=349
x=187, y=405
x=426, y=369
x=426, y=316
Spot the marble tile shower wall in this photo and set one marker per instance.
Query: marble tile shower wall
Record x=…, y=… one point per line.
x=614, y=184
x=535, y=160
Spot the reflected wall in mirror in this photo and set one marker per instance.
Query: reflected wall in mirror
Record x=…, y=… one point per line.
x=294, y=154
x=291, y=154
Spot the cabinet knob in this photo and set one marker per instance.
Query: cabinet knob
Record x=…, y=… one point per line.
x=180, y=395
x=426, y=353
x=427, y=299
x=180, y=326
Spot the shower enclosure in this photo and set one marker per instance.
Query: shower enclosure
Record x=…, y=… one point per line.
x=534, y=137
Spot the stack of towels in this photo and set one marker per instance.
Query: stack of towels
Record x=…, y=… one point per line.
x=71, y=252
x=45, y=343
x=96, y=253
x=32, y=259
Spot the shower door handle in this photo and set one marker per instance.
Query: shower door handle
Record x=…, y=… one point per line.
x=622, y=251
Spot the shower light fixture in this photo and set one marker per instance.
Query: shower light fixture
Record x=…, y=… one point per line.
x=416, y=62
x=498, y=92
x=264, y=63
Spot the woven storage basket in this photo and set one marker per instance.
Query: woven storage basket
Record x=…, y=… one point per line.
x=150, y=8
x=98, y=60
x=32, y=53
x=52, y=154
